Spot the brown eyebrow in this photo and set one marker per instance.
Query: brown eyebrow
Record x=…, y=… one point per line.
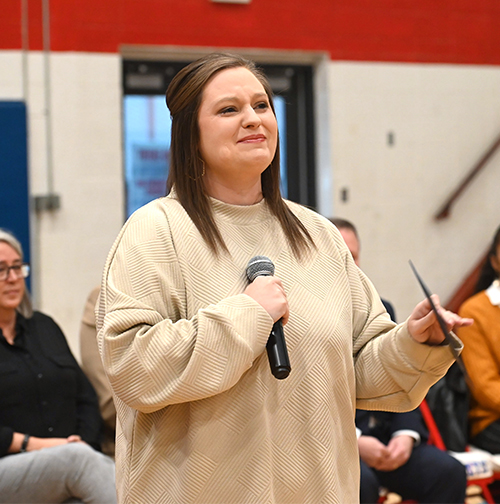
x=232, y=98
x=15, y=262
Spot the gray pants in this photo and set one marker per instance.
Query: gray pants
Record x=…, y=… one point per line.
x=73, y=472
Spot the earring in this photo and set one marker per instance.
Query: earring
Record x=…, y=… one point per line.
x=202, y=173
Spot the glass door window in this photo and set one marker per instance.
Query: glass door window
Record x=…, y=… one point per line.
x=147, y=126
x=147, y=149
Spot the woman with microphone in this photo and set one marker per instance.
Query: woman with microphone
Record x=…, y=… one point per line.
x=183, y=334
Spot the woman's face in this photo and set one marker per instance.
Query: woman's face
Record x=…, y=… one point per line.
x=11, y=289
x=238, y=129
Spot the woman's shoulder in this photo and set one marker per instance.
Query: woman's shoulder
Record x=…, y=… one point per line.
x=318, y=226
x=475, y=304
x=308, y=215
x=44, y=327
x=157, y=208
x=151, y=220
x=41, y=318
x=301, y=210
x=148, y=231
x=43, y=322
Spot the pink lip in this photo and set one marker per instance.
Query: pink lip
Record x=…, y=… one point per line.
x=11, y=292
x=252, y=138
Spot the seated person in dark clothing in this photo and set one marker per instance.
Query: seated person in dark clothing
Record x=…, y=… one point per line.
x=392, y=446
x=394, y=454
x=50, y=426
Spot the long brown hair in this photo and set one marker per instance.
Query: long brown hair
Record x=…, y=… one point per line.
x=488, y=273
x=184, y=95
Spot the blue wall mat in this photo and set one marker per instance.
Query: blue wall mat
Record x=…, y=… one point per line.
x=14, y=203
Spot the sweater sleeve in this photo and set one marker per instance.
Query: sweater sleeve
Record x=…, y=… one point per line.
x=154, y=352
x=393, y=371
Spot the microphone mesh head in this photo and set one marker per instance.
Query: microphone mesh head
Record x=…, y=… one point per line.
x=259, y=266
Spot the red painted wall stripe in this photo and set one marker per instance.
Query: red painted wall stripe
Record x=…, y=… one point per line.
x=428, y=31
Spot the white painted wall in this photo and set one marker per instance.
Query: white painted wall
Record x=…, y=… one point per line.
x=443, y=118
x=70, y=245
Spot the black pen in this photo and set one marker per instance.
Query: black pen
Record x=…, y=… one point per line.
x=452, y=342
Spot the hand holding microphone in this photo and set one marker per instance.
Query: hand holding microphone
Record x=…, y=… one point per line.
x=268, y=291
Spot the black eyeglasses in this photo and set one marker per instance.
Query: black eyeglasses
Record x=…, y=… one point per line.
x=20, y=271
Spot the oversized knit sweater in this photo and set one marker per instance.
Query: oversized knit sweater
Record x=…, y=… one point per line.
x=201, y=419
x=481, y=357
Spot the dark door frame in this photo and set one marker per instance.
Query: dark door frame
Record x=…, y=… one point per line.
x=292, y=81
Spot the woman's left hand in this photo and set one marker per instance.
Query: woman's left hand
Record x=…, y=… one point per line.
x=424, y=326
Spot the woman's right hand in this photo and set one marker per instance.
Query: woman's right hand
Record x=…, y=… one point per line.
x=268, y=291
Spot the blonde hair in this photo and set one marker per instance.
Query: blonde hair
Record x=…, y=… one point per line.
x=25, y=308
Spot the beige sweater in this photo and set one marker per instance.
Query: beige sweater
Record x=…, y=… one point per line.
x=200, y=417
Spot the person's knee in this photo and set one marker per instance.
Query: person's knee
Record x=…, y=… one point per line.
x=68, y=453
x=78, y=457
x=452, y=469
x=90, y=473
x=79, y=449
x=458, y=473
x=443, y=478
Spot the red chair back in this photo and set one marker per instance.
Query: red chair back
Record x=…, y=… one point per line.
x=435, y=438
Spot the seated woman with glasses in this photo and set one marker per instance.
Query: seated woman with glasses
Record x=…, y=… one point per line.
x=50, y=426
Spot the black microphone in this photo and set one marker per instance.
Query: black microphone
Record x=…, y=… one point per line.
x=276, y=345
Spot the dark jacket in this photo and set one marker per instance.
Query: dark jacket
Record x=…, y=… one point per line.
x=383, y=424
x=43, y=391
